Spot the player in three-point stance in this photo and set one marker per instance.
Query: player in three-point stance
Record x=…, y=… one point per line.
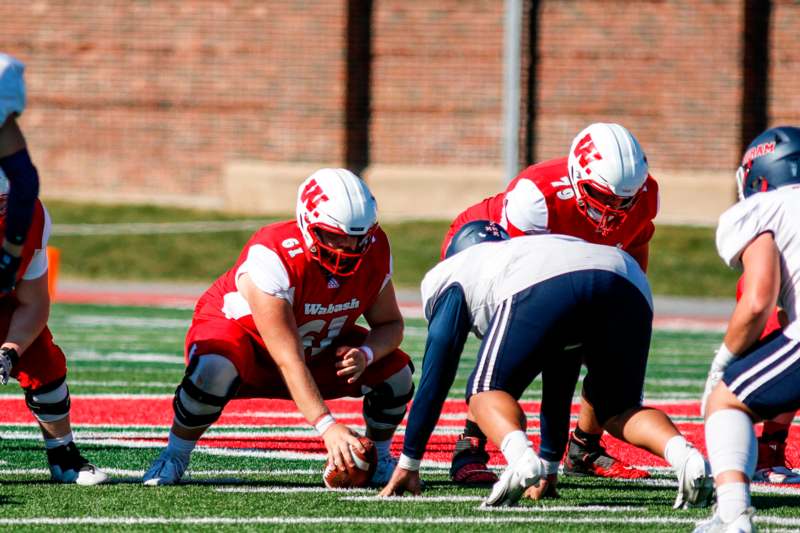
x=537, y=302
x=281, y=324
x=27, y=350
x=760, y=235
x=602, y=193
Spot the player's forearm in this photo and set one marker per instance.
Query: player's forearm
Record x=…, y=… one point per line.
x=384, y=338
x=303, y=389
x=745, y=326
x=439, y=369
x=447, y=332
x=27, y=323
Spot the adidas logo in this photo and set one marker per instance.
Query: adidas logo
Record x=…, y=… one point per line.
x=332, y=283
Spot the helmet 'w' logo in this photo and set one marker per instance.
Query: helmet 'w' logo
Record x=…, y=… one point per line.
x=586, y=152
x=312, y=195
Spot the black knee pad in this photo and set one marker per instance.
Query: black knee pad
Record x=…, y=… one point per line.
x=382, y=399
x=49, y=411
x=184, y=415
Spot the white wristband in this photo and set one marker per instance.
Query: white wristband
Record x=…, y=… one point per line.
x=368, y=352
x=323, y=423
x=723, y=358
x=407, y=463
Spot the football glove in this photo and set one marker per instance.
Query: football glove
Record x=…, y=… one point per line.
x=8, y=358
x=12, y=87
x=9, y=264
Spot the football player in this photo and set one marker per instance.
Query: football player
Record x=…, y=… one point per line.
x=602, y=193
x=29, y=355
x=17, y=168
x=771, y=466
x=523, y=297
x=760, y=235
x=281, y=324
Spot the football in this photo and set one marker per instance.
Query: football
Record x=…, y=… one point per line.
x=357, y=476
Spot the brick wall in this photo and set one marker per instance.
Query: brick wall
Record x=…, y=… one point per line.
x=784, y=61
x=153, y=98
x=132, y=99
x=669, y=71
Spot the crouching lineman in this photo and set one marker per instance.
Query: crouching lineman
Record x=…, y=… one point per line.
x=27, y=352
x=535, y=299
x=281, y=324
x=761, y=236
x=603, y=193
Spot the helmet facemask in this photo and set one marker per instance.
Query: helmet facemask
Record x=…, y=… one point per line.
x=338, y=261
x=605, y=210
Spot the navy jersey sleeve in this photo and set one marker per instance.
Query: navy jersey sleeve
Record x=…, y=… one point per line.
x=23, y=181
x=448, y=329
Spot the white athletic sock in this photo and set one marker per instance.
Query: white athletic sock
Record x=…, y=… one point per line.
x=383, y=447
x=514, y=445
x=676, y=451
x=179, y=447
x=731, y=442
x=55, y=442
x=732, y=500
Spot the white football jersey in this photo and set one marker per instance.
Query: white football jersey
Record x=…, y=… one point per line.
x=494, y=271
x=777, y=212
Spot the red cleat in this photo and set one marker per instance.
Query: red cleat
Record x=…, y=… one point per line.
x=592, y=460
x=469, y=463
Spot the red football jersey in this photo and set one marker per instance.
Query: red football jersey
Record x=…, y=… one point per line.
x=325, y=306
x=35, y=238
x=541, y=200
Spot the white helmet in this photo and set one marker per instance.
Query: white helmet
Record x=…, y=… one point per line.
x=607, y=169
x=337, y=201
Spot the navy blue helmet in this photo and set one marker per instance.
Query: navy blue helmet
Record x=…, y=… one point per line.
x=475, y=232
x=771, y=161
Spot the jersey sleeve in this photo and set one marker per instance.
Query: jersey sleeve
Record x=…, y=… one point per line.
x=267, y=271
x=525, y=209
x=38, y=265
x=738, y=227
x=448, y=329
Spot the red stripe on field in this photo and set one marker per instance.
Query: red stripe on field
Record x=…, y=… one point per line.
x=158, y=411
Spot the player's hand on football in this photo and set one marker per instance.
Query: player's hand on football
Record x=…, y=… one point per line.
x=9, y=264
x=403, y=480
x=352, y=364
x=546, y=488
x=338, y=440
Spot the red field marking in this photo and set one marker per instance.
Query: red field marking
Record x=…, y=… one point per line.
x=148, y=411
x=144, y=411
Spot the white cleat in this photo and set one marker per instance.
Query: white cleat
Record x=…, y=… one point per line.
x=742, y=524
x=383, y=471
x=168, y=469
x=516, y=478
x=695, y=484
x=67, y=465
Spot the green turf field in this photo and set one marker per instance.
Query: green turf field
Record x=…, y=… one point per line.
x=121, y=356
x=126, y=242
